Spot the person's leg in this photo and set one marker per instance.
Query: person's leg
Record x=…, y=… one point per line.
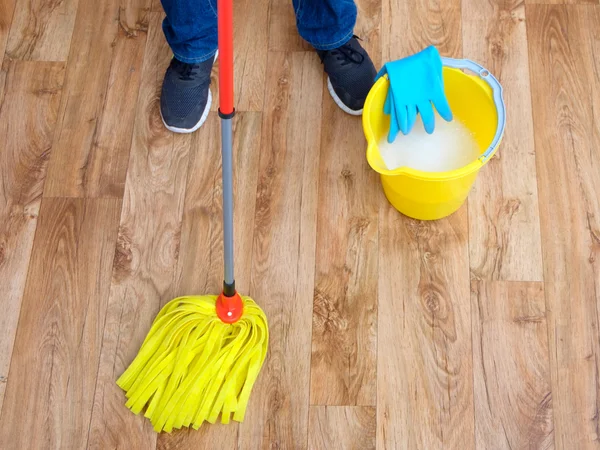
x=325, y=24
x=190, y=28
x=328, y=25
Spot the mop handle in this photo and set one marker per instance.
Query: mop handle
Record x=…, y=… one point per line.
x=226, y=112
x=225, y=29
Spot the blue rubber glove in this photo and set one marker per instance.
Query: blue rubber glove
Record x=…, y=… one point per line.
x=415, y=83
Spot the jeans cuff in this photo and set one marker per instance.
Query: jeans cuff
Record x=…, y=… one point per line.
x=195, y=60
x=332, y=45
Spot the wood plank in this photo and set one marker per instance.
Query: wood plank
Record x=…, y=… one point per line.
x=561, y=2
x=283, y=31
x=284, y=250
x=513, y=400
x=344, y=338
x=6, y=354
x=368, y=28
x=200, y=264
x=207, y=436
x=133, y=17
x=344, y=344
x=28, y=113
x=78, y=151
x=251, y=37
x=156, y=6
x=344, y=427
x=504, y=229
x=424, y=372
x=109, y=153
x=3, y=71
x=7, y=8
x=563, y=59
x=50, y=389
x=41, y=30
x=146, y=254
x=85, y=91
x=409, y=26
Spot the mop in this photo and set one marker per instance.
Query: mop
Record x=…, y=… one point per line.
x=203, y=353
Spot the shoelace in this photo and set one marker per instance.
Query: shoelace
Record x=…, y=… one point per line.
x=348, y=55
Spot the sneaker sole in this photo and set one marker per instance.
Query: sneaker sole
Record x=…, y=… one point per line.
x=202, y=118
x=195, y=127
x=338, y=101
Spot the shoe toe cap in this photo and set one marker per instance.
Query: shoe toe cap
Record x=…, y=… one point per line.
x=182, y=109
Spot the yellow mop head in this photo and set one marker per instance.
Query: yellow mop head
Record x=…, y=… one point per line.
x=193, y=366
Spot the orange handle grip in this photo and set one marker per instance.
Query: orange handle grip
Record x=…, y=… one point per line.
x=225, y=30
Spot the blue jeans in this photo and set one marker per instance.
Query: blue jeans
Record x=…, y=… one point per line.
x=191, y=25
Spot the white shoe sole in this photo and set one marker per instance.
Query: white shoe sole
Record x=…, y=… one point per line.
x=202, y=119
x=339, y=102
x=195, y=127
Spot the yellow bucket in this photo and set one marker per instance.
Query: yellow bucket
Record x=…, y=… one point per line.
x=476, y=101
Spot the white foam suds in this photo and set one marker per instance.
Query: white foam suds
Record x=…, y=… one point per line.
x=451, y=146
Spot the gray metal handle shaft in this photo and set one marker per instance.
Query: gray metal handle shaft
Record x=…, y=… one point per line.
x=227, y=163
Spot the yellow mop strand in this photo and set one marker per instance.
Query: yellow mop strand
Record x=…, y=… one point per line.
x=192, y=366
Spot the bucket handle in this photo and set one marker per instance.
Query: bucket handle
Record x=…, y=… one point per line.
x=485, y=75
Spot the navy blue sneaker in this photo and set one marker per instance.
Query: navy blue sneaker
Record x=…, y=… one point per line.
x=185, y=98
x=351, y=75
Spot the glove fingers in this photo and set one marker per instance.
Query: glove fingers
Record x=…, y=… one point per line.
x=426, y=111
x=411, y=116
x=393, y=123
x=387, y=109
x=402, y=114
x=443, y=108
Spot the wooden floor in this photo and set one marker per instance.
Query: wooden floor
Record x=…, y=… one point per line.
x=477, y=331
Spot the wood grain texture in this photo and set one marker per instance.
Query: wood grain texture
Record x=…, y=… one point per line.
x=251, y=37
x=7, y=8
x=344, y=345
x=146, y=255
x=424, y=371
x=472, y=348
x=78, y=150
x=561, y=2
x=564, y=47
x=50, y=389
x=342, y=427
x=408, y=26
x=284, y=250
x=344, y=338
x=513, y=400
x=109, y=154
x=28, y=113
x=208, y=436
x=7, y=341
x=283, y=31
x=368, y=28
x=42, y=30
x=200, y=264
x=156, y=6
x=3, y=71
x=504, y=229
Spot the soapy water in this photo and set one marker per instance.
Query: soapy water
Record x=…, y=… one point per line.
x=450, y=147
